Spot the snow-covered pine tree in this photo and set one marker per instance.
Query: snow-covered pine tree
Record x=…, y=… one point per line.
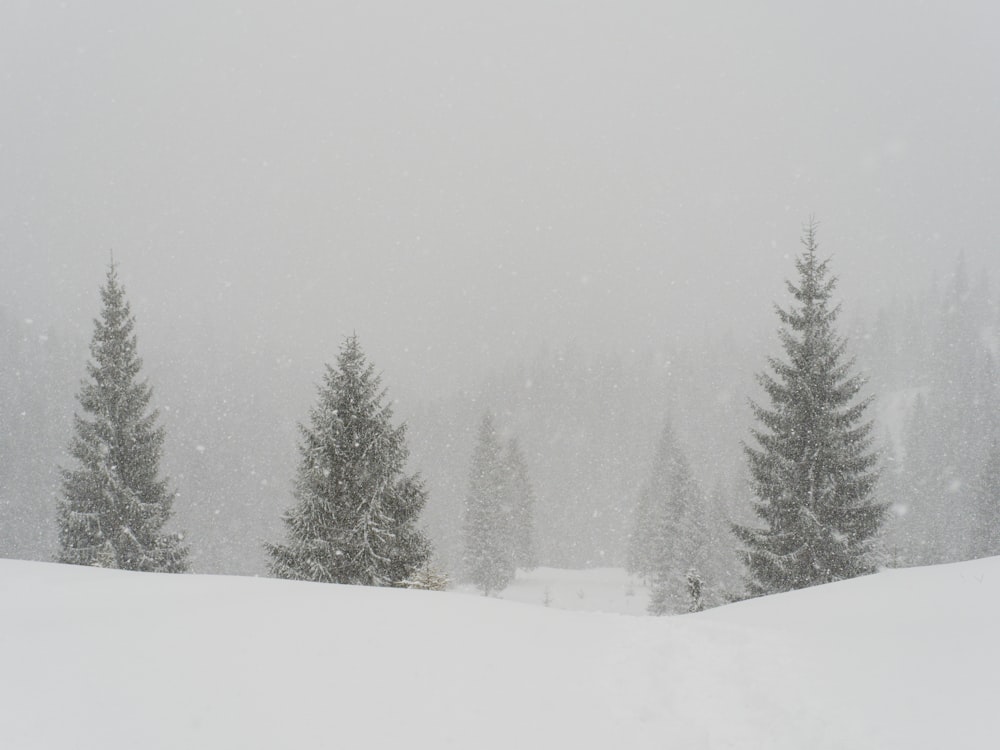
x=813, y=472
x=114, y=504
x=489, y=551
x=669, y=534
x=522, y=500
x=354, y=520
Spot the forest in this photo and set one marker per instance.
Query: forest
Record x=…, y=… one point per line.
x=589, y=434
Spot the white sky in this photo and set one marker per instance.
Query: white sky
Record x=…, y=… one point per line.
x=460, y=182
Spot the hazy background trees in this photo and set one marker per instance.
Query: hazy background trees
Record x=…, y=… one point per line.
x=36, y=416
x=586, y=421
x=669, y=535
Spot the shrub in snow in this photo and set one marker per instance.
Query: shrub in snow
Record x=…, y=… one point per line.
x=428, y=578
x=694, y=587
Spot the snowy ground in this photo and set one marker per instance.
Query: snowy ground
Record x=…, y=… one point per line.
x=609, y=590
x=104, y=659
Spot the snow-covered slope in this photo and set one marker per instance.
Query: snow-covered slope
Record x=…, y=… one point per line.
x=103, y=659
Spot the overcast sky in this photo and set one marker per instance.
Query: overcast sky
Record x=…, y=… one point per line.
x=461, y=181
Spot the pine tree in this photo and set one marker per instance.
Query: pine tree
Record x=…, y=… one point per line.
x=354, y=520
x=813, y=473
x=522, y=501
x=489, y=551
x=669, y=534
x=114, y=505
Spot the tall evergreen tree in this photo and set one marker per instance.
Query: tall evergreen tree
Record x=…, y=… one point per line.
x=669, y=533
x=813, y=473
x=489, y=550
x=355, y=515
x=114, y=504
x=522, y=504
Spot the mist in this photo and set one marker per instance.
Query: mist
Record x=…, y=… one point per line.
x=471, y=189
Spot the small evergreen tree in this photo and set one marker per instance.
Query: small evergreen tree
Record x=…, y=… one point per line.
x=489, y=551
x=522, y=502
x=355, y=515
x=813, y=472
x=669, y=534
x=114, y=505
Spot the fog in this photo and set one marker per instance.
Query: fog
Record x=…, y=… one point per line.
x=465, y=185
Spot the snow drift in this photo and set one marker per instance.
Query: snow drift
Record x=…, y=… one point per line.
x=105, y=659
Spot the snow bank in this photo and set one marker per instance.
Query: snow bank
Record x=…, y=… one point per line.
x=105, y=659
